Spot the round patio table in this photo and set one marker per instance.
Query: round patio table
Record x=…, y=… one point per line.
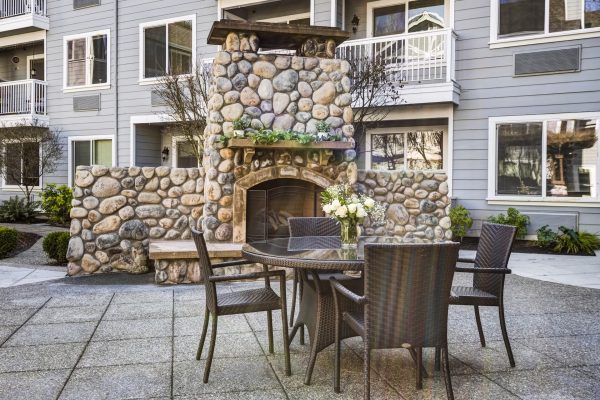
x=310, y=254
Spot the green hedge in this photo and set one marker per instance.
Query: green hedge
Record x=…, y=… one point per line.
x=55, y=245
x=8, y=241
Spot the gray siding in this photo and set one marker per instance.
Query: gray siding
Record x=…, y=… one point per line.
x=488, y=89
x=322, y=12
x=148, y=141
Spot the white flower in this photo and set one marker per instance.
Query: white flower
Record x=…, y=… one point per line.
x=360, y=212
x=335, y=204
x=327, y=208
x=369, y=203
x=341, y=212
x=352, y=208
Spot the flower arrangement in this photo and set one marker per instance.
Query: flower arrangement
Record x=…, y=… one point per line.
x=350, y=209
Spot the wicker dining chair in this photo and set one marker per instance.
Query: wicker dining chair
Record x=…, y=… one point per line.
x=240, y=302
x=406, y=293
x=312, y=226
x=490, y=267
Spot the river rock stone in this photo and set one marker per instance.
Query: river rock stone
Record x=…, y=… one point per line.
x=89, y=264
x=283, y=122
x=150, y=211
x=280, y=102
x=286, y=80
x=325, y=94
x=106, y=187
x=134, y=230
x=75, y=249
x=264, y=69
x=108, y=224
x=265, y=89
x=108, y=240
x=224, y=232
x=232, y=112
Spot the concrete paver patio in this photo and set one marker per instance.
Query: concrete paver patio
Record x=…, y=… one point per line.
x=122, y=337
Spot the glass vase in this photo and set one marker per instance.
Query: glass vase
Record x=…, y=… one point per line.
x=349, y=236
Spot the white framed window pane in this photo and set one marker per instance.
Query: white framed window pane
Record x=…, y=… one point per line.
x=155, y=44
x=425, y=149
x=591, y=14
x=425, y=15
x=387, y=151
x=185, y=156
x=82, y=154
x=31, y=164
x=76, y=62
x=103, y=152
x=565, y=15
x=13, y=164
x=180, y=47
x=572, y=157
x=100, y=53
x=389, y=20
x=519, y=159
x=521, y=17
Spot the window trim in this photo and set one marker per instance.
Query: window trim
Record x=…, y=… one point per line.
x=96, y=86
x=7, y=187
x=537, y=38
x=398, y=129
x=493, y=198
x=90, y=138
x=152, y=81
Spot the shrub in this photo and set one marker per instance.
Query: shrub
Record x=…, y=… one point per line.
x=513, y=217
x=461, y=221
x=8, y=241
x=546, y=237
x=573, y=242
x=55, y=245
x=56, y=201
x=17, y=209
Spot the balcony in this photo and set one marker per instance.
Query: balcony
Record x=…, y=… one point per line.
x=424, y=62
x=22, y=101
x=22, y=16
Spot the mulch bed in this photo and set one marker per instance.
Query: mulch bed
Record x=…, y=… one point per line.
x=24, y=241
x=520, y=246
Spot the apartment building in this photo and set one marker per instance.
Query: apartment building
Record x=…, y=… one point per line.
x=502, y=95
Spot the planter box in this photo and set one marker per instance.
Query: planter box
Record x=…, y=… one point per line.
x=292, y=144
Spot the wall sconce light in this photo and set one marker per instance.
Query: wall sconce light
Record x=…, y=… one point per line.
x=355, y=21
x=165, y=153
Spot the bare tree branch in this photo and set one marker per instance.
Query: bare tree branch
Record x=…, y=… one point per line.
x=186, y=98
x=28, y=151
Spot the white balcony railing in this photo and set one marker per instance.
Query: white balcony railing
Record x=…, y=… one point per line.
x=411, y=58
x=23, y=97
x=13, y=8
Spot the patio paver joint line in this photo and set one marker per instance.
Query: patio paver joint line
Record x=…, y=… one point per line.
x=24, y=322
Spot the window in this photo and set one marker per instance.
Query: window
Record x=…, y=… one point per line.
x=87, y=60
x=419, y=148
x=22, y=164
x=168, y=47
x=519, y=19
x=90, y=152
x=387, y=18
x=185, y=155
x=546, y=157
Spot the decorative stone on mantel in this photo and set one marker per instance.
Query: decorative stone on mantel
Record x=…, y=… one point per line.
x=308, y=41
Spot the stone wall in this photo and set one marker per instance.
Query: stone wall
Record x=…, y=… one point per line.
x=417, y=204
x=117, y=210
x=276, y=92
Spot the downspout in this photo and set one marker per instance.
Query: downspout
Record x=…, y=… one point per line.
x=116, y=46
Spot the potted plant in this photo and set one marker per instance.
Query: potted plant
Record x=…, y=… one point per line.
x=323, y=131
x=239, y=127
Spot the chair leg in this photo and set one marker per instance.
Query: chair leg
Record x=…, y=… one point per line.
x=437, y=358
x=301, y=289
x=413, y=354
x=294, y=291
x=511, y=358
x=211, y=349
x=338, y=356
x=270, y=330
x=203, y=336
x=419, y=369
x=447, y=379
x=311, y=366
x=479, y=327
x=367, y=372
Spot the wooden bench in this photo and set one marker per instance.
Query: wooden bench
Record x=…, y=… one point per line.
x=185, y=249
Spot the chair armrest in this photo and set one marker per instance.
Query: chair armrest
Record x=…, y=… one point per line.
x=231, y=263
x=466, y=260
x=338, y=287
x=484, y=270
x=250, y=275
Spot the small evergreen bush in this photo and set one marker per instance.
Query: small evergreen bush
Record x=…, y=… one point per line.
x=8, y=241
x=512, y=217
x=546, y=237
x=17, y=209
x=56, y=201
x=55, y=245
x=461, y=221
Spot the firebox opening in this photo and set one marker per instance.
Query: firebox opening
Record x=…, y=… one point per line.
x=271, y=203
